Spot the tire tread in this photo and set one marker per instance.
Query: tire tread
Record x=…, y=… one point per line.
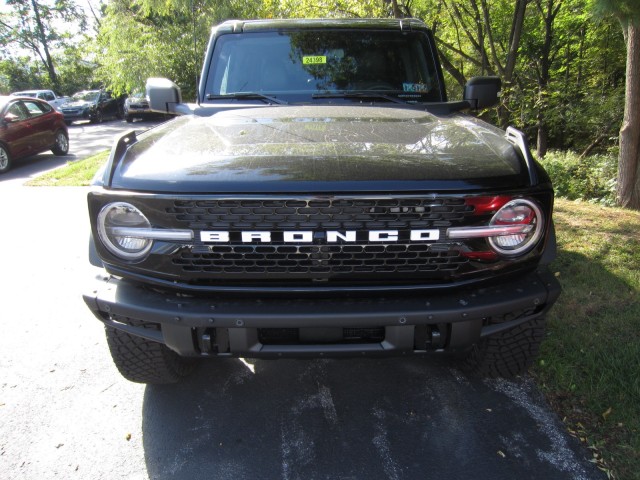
x=507, y=354
x=144, y=361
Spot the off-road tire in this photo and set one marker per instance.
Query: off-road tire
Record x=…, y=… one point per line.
x=5, y=159
x=61, y=147
x=144, y=361
x=506, y=354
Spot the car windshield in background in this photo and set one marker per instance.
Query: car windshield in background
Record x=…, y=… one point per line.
x=85, y=96
x=317, y=63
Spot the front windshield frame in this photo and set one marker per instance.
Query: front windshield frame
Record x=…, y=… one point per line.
x=306, y=65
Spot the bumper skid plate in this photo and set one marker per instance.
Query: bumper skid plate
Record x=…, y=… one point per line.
x=467, y=314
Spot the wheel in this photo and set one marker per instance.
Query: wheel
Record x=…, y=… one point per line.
x=144, y=361
x=5, y=159
x=68, y=122
x=507, y=354
x=128, y=118
x=98, y=118
x=61, y=147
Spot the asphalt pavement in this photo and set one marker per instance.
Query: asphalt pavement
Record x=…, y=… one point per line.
x=66, y=413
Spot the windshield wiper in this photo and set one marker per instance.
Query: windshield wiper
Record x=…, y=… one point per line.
x=360, y=96
x=246, y=96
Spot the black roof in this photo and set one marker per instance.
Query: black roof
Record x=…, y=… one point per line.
x=401, y=24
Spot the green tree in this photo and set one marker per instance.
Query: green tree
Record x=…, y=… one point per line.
x=478, y=37
x=147, y=38
x=628, y=14
x=35, y=26
x=18, y=74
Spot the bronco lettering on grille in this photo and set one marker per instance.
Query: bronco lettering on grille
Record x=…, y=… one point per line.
x=330, y=236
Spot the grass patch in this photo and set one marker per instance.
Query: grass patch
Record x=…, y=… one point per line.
x=589, y=365
x=76, y=173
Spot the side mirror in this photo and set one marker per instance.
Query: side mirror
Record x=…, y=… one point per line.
x=164, y=96
x=10, y=118
x=482, y=92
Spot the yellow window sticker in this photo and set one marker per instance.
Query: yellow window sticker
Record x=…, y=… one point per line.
x=314, y=60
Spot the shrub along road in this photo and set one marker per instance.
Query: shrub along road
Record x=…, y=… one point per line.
x=67, y=413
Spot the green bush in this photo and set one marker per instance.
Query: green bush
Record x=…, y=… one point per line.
x=591, y=178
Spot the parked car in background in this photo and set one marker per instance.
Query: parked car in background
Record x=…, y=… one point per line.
x=29, y=126
x=136, y=106
x=92, y=105
x=47, y=95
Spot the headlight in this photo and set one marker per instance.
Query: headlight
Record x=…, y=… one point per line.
x=525, y=219
x=514, y=229
x=117, y=224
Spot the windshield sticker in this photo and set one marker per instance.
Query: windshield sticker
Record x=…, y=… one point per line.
x=415, y=87
x=314, y=60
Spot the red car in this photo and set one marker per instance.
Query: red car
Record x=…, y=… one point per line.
x=29, y=126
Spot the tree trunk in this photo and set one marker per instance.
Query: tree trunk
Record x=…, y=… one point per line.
x=42, y=38
x=628, y=189
x=514, y=46
x=549, y=12
x=543, y=137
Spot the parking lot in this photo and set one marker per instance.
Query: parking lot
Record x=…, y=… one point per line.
x=66, y=412
x=85, y=139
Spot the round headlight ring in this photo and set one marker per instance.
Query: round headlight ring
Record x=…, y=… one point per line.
x=122, y=214
x=523, y=212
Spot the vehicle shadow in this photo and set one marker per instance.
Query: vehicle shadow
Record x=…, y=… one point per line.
x=401, y=418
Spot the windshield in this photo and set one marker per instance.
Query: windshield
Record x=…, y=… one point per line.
x=86, y=96
x=325, y=62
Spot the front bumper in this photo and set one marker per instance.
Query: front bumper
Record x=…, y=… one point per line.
x=73, y=115
x=197, y=326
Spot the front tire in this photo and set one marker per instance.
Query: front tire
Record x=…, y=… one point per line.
x=98, y=118
x=144, y=361
x=5, y=159
x=507, y=354
x=61, y=147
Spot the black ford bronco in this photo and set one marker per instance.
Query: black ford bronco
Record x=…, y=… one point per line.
x=322, y=198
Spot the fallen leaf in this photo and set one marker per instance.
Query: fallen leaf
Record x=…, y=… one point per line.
x=606, y=413
x=128, y=437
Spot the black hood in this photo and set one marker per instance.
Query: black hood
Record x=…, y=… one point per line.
x=320, y=149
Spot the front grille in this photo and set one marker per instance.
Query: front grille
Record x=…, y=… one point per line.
x=344, y=213
x=328, y=256
x=318, y=260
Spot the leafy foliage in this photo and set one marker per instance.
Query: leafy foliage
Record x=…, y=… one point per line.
x=39, y=27
x=590, y=178
x=145, y=38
